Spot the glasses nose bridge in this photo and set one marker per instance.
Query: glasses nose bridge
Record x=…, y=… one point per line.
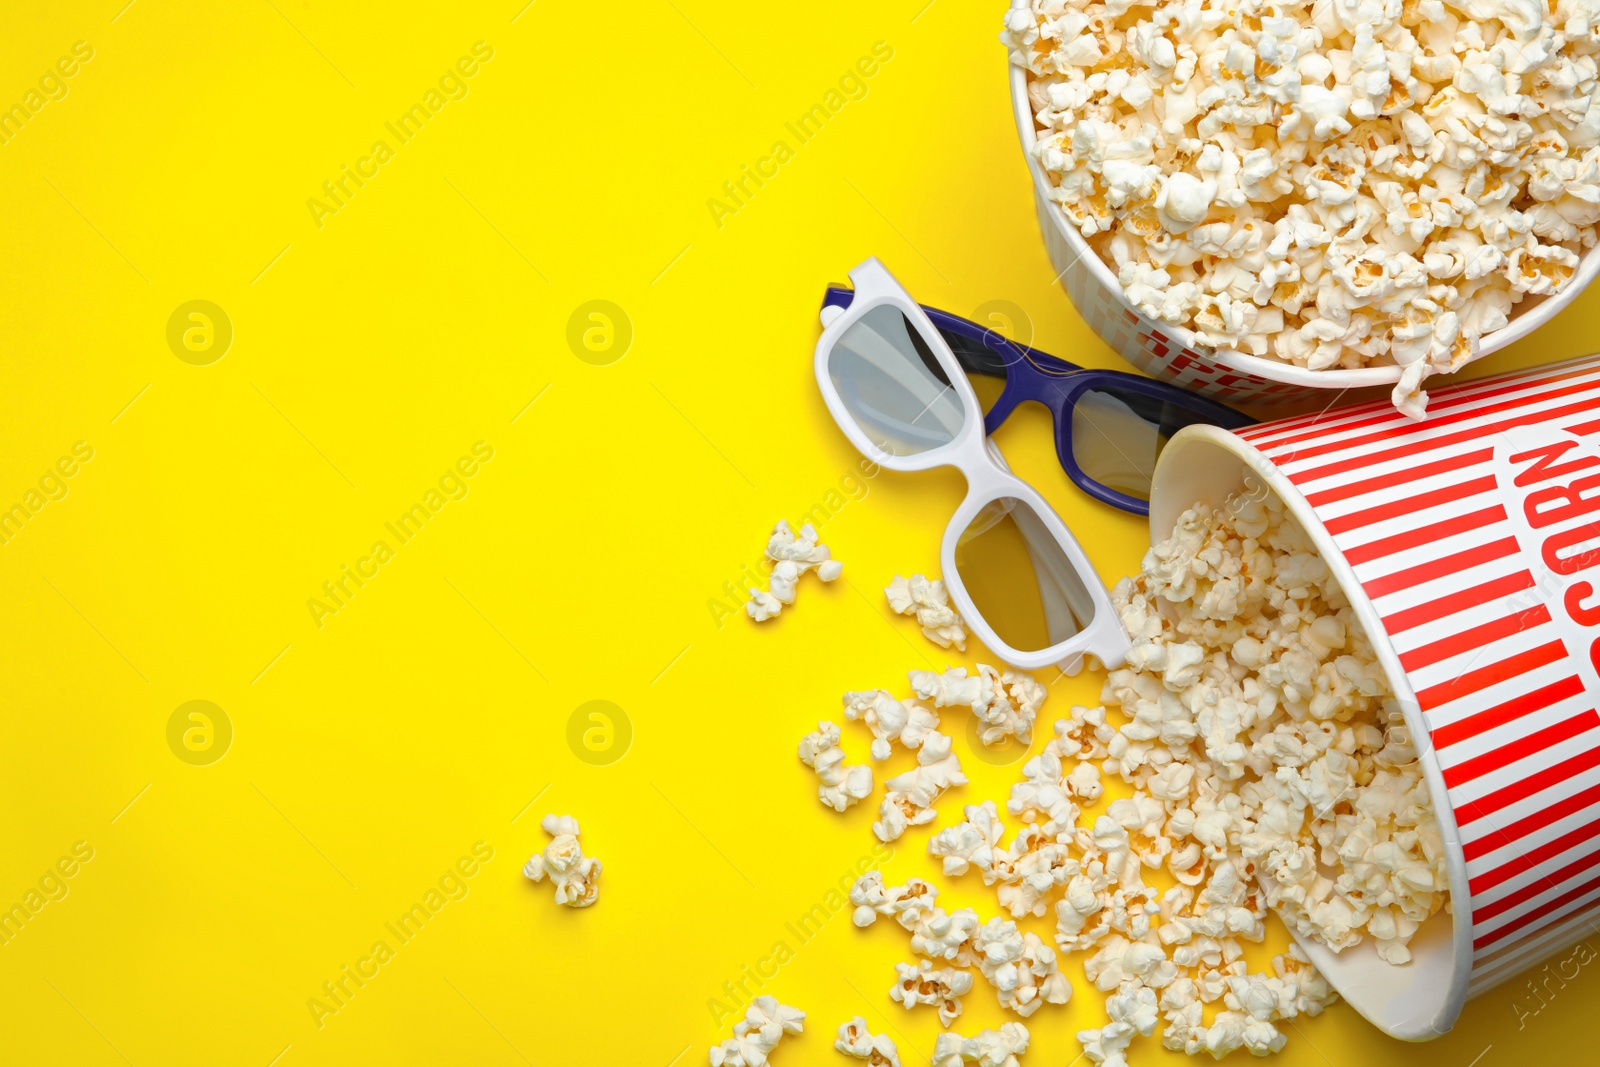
x=987, y=476
x=1024, y=382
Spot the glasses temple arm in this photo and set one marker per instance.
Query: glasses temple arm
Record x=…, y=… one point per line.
x=977, y=348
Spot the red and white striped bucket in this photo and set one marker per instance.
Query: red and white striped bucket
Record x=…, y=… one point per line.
x=1469, y=547
x=1173, y=354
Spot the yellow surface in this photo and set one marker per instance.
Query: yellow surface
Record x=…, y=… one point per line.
x=371, y=753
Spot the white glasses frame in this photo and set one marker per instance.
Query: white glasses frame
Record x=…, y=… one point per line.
x=988, y=477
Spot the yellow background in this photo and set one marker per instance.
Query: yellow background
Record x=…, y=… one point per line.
x=368, y=355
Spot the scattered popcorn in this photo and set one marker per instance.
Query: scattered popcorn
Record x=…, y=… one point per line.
x=764, y=1025
x=1006, y=703
x=1035, y=866
x=573, y=874
x=890, y=720
x=1339, y=184
x=991, y=1048
x=1020, y=966
x=1078, y=735
x=971, y=844
x=1083, y=782
x=909, y=904
x=912, y=795
x=1042, y=793
x=929, y=602
x=841, y=785
x=791, y=557
x=762, y=606
x=947, y=935
x=935, y=932
x=1270, y=768
x=856, y=1041
x=1133, y=1012
x=922, y=983
x=1036, y=863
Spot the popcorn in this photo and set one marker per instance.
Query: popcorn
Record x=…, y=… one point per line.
x=946, y=935
x=929, y=602
x=954, y=687
x=991, y=1048
x=1084, y=781
x=573, y=874
x=1087, y=896
x=911, y=795
x=1043, y=794
x=1133, y=1012
x=1107, y=1045
x=841, y=785
x=791, y=556
x=1344, y=184
x=1308, y=993
x=971, y=843
x=1277, y=751
x=762, y=606
x=935, y=932
x=890, y=720
x=764, y=1025
x=921, y=983
x=856, y=1041
x=1006, y=703
x=1036, y=865
x=1077, y=736
x=909, y=904
x=1020, y=966
x=1270, y=769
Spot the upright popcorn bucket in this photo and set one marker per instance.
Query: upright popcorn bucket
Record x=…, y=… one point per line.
x=1174, y=354
x=1469, y=548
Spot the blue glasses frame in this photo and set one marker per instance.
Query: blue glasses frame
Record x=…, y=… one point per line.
x=1030, y=374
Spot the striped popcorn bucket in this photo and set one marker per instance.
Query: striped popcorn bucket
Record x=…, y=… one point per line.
x=1469, y=547
x=1172, y=353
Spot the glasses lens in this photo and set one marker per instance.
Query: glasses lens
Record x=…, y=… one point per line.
x=1020, y=578
x=893, y=386
x=1118, y=433
x=985, y=364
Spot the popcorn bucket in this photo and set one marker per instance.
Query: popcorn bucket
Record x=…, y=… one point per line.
x=1171, y=352
x=1469, y=548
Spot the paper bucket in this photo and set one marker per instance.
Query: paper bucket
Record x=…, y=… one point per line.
x=1469, y=547
x=1172, y=353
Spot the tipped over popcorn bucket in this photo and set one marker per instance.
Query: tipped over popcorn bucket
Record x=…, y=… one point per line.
x=1469, y=548
x=1170, y=352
